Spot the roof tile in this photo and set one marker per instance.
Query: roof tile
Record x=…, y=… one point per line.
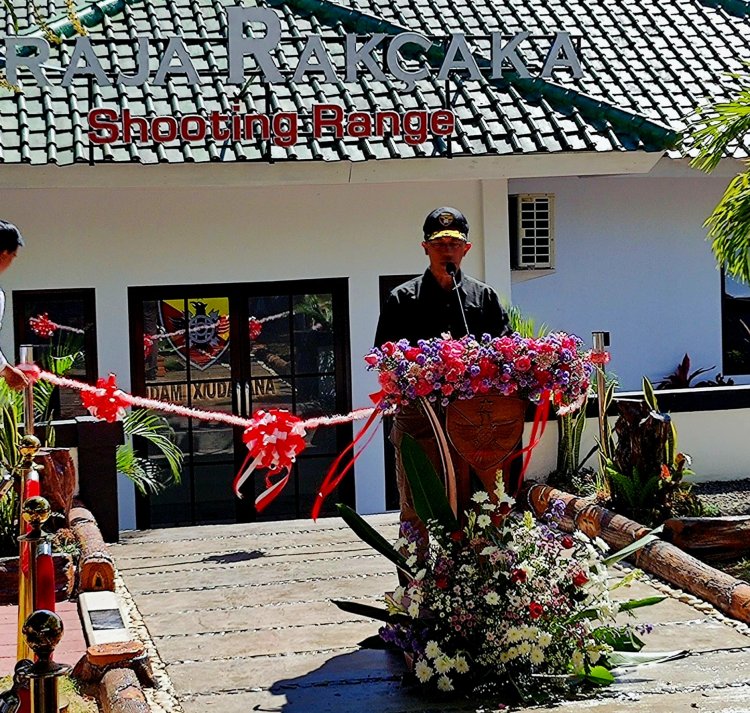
x=645, y=63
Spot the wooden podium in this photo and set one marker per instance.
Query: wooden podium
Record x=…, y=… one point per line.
x=484, y=431
x=479, y=434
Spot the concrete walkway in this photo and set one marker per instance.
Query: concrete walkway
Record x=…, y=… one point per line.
x=240, y=616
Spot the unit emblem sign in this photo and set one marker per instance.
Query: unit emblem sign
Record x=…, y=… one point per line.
x=202, y=335
x=254, y=34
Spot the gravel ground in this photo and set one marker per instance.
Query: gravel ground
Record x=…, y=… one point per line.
x=731, y=497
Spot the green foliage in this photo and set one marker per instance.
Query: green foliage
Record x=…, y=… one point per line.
x=524, y=325
x=370, y=536
x=369, y=611
x=714, y=131
x=428, y=491
x=319, y=310
x=12, y=12
x=644, y=472
x=146, y=476
x=8, y=526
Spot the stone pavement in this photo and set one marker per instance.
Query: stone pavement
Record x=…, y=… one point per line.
x=238, y=618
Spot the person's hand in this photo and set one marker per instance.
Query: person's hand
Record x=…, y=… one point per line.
x=15, y=378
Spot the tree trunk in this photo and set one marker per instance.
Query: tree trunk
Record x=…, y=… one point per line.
x=715, y=538
x=729, y=595
x=96, y=568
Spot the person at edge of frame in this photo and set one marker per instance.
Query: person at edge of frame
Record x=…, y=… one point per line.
x=426, y=307
x=10, y=241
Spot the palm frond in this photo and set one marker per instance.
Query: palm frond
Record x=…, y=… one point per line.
x=729, y=228
x=143, y=474
x=523, y=324
x=716, y=127
x=155, y=429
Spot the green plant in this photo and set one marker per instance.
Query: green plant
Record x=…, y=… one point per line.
x=524, y=325
x=644, y=472
x=320, y=311
x=501, y=604
x=145, y=474
x=715, y=129
x=571, y=473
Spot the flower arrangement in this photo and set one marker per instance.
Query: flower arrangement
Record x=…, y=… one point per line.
x=504, y=605
x=445, y=369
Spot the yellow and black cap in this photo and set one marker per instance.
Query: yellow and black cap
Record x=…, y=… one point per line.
x=446, y=222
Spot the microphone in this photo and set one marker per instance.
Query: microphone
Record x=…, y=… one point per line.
x=451, y=269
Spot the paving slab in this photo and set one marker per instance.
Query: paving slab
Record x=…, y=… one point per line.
x=241, y=620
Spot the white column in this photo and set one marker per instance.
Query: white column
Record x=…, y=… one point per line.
x=495, y=231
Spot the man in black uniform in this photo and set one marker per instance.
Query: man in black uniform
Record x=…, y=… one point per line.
x=429, y=306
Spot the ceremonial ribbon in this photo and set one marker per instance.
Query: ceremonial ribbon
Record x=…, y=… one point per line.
x=541, y=417
x=333, y=477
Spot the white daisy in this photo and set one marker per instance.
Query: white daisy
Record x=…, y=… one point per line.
x=443, y=664
x=492, y=598
x=536, y=656
x=422, y=671
x=444, y=684
x=432, y=650
x=460, y=664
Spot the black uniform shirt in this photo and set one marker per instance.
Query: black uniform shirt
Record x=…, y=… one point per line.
x=422, y=309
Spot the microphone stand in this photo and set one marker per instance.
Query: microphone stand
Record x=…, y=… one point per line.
x=450, y=268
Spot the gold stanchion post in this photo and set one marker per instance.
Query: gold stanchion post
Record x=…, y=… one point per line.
x=43, y=631
x=28, y=448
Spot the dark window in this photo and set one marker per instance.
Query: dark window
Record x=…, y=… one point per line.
x=74, y=310
x=735, y=328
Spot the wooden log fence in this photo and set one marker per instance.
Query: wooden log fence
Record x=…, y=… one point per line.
x=96, y=568
x=731, y=596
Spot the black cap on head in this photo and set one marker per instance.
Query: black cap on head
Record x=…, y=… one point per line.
x=10, y=237
x=446, y=222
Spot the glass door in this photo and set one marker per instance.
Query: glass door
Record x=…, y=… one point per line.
x=242, y=348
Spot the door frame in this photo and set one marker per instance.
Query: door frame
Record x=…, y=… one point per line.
x=238, y=294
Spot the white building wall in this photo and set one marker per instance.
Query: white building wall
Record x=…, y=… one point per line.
x=111, y=239
x=715, y=441
x=632, y=259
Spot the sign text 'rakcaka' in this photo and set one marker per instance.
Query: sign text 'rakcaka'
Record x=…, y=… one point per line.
x=253, y=35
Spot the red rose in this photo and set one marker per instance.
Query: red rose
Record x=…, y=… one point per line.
x=422, y=388
x=441, y=582
x=411, y=353
x=518, y=575
x=535, y=610
x=579, y=579
x=523, y=363
x=388, y=348
x=457, y=536
x=371, y=359
x=567, y=542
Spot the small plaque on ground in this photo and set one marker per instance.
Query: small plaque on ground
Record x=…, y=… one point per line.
x=106, y=619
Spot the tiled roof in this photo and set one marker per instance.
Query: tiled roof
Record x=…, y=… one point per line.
x=646, y=65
